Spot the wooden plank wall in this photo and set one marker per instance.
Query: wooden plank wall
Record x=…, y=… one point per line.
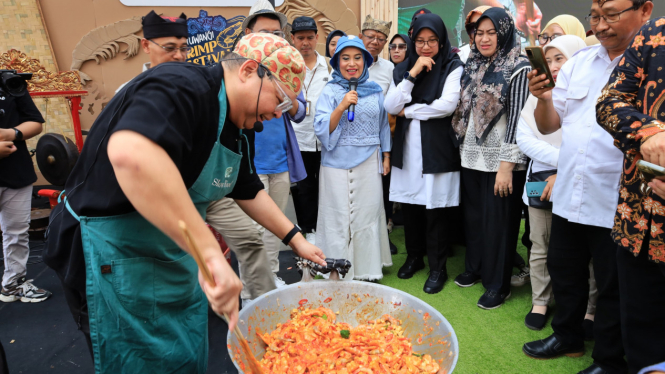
x=385, y=10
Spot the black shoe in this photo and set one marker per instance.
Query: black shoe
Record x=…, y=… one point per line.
x=467, y=279
x=410, y=267
x=535, y=321
x=588, y=329
x=492, y=299
x=594, y=369
x=551, y=347
x=435, y=281
x=393, y=247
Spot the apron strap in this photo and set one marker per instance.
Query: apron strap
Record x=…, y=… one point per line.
x=221, y=97
x=69, y=208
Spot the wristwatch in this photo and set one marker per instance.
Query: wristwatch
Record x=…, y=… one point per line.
x=19, y=135
x=409, y=78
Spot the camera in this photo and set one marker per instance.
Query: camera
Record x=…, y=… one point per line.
x=13, y=83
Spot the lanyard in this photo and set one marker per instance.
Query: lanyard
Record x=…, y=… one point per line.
x=310, y=80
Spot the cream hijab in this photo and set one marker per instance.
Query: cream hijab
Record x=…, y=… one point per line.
x=568, y=45
x=570, y=25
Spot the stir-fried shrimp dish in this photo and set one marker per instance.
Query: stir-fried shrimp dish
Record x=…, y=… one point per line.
x=312, y=342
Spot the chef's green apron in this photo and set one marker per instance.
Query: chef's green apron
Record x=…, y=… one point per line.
x=147, y=311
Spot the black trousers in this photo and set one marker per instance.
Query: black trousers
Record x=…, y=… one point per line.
x=491, y=227
x=428, y=231
x=78, y=306
x=572, y=246
x=3, y=361
x=642, y=290
x=387, y=204
x=306, y=194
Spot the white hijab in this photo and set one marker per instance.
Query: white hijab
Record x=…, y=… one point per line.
x=568, y=45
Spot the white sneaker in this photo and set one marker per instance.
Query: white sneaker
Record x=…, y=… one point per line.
x=279, y=282
x=311, y=237
x=25, y=291
x=522, y=278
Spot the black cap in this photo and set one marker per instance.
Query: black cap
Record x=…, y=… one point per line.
x=303, y=24
x=155, y=26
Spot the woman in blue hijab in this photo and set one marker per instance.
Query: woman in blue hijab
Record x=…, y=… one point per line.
x=355, y=153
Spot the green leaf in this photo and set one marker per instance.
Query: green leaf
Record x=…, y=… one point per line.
x=345, y=334
x=417, y=355
x=325, y=316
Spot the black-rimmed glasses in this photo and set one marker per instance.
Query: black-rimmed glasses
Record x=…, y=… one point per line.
x=609, y=18
x=171, y=49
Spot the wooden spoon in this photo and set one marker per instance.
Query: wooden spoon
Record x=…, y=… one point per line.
x=254, y=364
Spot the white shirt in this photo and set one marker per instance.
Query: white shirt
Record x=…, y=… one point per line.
x=315, y=80
x=544, y=155
x=146, y=66
x=587, y=184
x=464, y=52
x=409, y=185
x=381, y=72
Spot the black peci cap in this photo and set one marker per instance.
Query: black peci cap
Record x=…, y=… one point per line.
x=155, y=26
x=303, y=24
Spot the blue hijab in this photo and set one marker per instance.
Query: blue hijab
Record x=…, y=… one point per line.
x=365, y=86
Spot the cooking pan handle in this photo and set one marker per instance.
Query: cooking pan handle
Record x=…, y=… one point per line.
x=335, y=267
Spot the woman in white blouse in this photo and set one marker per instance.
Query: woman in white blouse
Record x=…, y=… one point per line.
x=425, y=178
x=494, y=89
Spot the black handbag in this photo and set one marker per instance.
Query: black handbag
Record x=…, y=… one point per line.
x=541, y=176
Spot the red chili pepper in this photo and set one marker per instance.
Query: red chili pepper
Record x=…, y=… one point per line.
x=327, y=300
x=302, y=302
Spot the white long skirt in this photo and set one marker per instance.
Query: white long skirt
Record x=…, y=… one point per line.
x=352, y=222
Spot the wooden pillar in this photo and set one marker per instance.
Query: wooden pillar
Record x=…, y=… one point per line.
x=385, y=10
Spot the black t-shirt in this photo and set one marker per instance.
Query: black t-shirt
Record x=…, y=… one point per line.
x=16, y=170
x=176, y=106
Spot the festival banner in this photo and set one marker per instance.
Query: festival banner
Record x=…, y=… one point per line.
x=211, y=37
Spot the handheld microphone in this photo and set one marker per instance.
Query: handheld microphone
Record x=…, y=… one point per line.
x=353, y=85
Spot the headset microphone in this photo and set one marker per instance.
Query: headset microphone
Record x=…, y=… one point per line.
x=258, y=126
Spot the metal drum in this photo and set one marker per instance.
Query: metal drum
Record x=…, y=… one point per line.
x=437, y=337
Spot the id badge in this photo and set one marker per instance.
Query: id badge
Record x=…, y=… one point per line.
x=307, y=107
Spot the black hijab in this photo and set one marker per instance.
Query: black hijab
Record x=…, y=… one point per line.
x=407, y=40
x=439, y=151
x=331, y=35
x=428, y=85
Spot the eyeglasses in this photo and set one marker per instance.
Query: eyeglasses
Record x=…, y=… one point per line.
x=399, y=47
x=544, y=39
x=286, y=103
x=279, y=33
x=375, y=38
x=430, y=43
x=609, y=18
x=171, y=49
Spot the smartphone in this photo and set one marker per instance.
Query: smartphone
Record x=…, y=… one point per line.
x=537, y=59
x=651, y=169
x=535, y=189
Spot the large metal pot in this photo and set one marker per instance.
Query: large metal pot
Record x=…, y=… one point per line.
x=264, y=313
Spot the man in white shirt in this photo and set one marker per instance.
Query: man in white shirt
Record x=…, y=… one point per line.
x=374, y=35
x=586, y=192
x=164, y=40
x=306, y=194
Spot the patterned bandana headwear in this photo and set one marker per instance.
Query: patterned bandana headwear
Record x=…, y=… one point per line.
x=377, y=25
x=277, y=55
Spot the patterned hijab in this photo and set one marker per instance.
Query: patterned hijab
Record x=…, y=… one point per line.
x=486, y=80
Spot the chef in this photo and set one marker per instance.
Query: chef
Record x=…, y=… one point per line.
x=166, y=146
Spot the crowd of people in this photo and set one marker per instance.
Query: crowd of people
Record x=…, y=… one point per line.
x=452, y=137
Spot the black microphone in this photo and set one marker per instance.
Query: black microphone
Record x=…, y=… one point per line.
x=353, y=85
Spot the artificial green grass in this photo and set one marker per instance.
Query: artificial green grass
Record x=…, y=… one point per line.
x=490, y=341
